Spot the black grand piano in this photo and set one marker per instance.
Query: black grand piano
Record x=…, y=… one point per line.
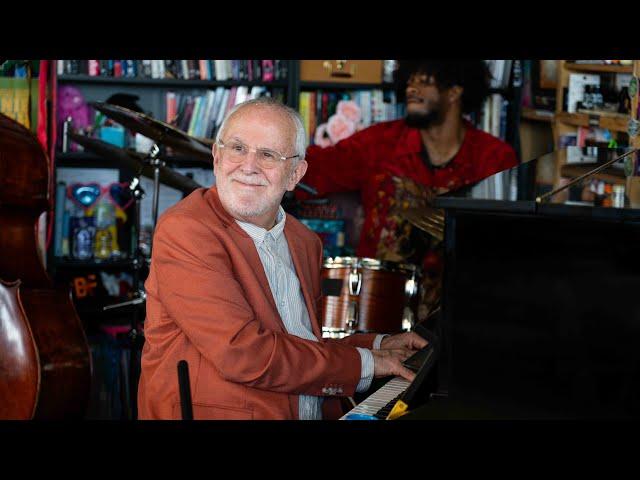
x=541, y=296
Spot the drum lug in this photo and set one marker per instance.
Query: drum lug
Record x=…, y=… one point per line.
x=352, y=317
x=407, y=319
x=355, y=282
x=411, y=286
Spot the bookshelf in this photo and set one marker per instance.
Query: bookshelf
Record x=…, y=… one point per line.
x=567, y=122
x=152, y=98
x=605, y=125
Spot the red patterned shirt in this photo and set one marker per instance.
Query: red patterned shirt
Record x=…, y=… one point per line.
x=369, y=159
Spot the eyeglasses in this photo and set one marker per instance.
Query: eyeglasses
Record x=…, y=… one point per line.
x=266, y=158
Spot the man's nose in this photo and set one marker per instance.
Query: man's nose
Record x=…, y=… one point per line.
x=411, y=88
x=250, y=162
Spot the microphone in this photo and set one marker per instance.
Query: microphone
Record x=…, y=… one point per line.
x=185, y=390
x=306, y=188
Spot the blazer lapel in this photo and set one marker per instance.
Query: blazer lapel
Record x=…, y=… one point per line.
x=248, y=248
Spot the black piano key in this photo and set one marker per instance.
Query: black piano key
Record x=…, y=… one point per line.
x=384, y=411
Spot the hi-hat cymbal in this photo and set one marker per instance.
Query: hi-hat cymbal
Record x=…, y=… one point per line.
x=158, y=131
x=134, y=161
x=427, y=219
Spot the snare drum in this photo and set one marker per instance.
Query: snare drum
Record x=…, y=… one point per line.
x=366, y=295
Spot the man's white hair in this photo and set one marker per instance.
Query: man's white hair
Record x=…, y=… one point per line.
x=301, y=137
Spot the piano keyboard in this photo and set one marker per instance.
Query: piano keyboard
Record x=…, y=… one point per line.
x=381, y=399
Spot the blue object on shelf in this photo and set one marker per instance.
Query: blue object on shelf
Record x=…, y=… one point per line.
x=113, y=135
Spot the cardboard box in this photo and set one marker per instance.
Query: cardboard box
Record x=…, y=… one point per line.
x=341, y=71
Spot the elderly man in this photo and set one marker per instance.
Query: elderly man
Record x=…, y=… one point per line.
x=234, y=287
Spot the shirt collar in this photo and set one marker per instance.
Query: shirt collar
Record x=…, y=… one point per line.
x=258, y=234
x=410, y=141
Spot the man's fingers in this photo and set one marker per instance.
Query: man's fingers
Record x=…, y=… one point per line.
x=406, y=373
x=416, y=341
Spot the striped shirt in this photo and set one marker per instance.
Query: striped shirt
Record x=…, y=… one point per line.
x=273, y=250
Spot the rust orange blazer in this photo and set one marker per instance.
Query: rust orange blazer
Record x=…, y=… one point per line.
x=209, y=303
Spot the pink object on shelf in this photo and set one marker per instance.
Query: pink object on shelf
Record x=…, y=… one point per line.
x=349, y=109
x=340, y=127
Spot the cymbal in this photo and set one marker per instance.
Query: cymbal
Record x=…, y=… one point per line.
x=134, y=161
x=427, y=219
x=158, y=131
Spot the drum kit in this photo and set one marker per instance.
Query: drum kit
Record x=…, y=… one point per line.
x=362, y=295
x=151, y=165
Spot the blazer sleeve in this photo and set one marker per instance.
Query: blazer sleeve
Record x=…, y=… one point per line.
x=198, y=289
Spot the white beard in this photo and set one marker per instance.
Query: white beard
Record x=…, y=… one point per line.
x=237, y=206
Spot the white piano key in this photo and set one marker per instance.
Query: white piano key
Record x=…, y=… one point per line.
x=380, y=398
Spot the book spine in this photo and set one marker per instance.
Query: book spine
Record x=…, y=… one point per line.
x=61, y=195
x=94, y=68
x=267, y=70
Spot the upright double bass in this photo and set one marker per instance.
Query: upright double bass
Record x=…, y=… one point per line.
x=45, y=364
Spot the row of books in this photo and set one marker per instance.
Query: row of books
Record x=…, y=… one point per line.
x=201, y=115
x=493, y=116
x=376, y=105
x=218, y=70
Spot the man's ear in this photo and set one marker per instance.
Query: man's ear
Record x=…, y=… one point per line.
x=215, y=152
x=296, y=175
x=455, y=93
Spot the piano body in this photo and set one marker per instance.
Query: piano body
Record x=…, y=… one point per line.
x=541, y=295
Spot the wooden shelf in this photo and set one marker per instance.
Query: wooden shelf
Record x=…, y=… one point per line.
x=610, y=175
x=166, y=82
x=307, y=85
x=533, y=114
x=596, y=67
x=68, y=263
x=613, y=122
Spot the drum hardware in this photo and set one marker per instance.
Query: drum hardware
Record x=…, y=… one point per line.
x=411, y=287
x=135, y=336
x=149, y=165
x=352, y=317
x=355, y=281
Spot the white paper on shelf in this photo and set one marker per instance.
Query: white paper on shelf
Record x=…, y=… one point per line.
x=577, y=81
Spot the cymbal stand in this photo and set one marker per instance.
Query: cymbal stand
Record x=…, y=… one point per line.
x=135, y=336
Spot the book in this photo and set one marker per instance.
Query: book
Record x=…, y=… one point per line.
x=267, y=70
x=496, y=108
x=194, y=117
x=61, y=195
x=210, y=96
x=242, y=93
x=303, y=107
x=232, y=99
x=220, y=71
x=171, y=108
x=223, y=108
x=94, y=68
x=204, y=70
